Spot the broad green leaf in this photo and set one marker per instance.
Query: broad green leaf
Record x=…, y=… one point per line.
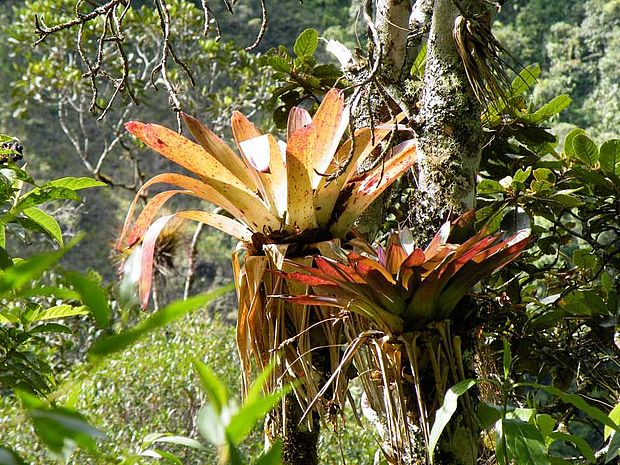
x=546, y=424
x=445, y=412
x=579, y=442
x=525, y=80
x=568, y=142
x=420, y=62
x=61, y=311
x=250, y=413
x=172, y=312
x=272, y=457
x=576, y=401
x=75, y=184
x=522, y=175
x=41, y=195
x=6, y=317
x=488, y=414
x=548, y=110
x=610, y=157
x=5, y=260
x=47, y=222
x=93, y=296
x=524, y=442
x=585, y=150
x=279, y=64
x=614, y=416
x=566, y=200
x=212, y=386
x=162, y=454
x=31, y=269
x=544, y=174
x=306, y=43
x=57, y=427
x=489, y=186
x=50, y=328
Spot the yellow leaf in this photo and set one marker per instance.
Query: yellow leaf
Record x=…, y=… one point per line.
x=220, y=150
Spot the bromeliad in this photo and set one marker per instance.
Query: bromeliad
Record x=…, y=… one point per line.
x=304, y=190
x=402, y=288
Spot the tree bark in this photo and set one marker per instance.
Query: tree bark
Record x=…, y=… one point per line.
x=450, y=136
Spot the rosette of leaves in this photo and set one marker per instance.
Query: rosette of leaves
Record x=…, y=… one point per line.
x=397, y=303
x=281, y=200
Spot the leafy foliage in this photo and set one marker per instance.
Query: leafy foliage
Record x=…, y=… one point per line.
x=301, y=79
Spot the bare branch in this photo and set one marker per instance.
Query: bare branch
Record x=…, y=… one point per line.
x=263, y=27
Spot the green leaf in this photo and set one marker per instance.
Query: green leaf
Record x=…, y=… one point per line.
x=544, y=174
x=272, y=457
x=525, y=80
x=489, y=186
x=417, y=69
x=445, y=412
x=576, y=401
x=47, y=222
x=610, y=157
x=41, y=195
x=31, y=269
x=250, y=413
x=488, y=414
x=162, y=454
x=279, y=63
x=507, y=358
x=212, y=386
x=566, y=200
x=585, y=150
x=548, y=110
x=61, y=311
x=524, y=442
x=614, y=416
x=75, y=184
x=172, y=312
x=57, y=427
x=51, y=328
x=521, y=175
x=569, y=151
x=92, y=296
x=580, y=443
x=545, y=424
x=306, y=43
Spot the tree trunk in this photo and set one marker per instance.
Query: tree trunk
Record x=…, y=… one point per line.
x=450, y=136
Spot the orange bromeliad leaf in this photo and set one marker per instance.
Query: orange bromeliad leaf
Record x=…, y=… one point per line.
x=220, y=150
x=230, y=226
x=374, y=184
x=414, y=289
x=184, y=152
